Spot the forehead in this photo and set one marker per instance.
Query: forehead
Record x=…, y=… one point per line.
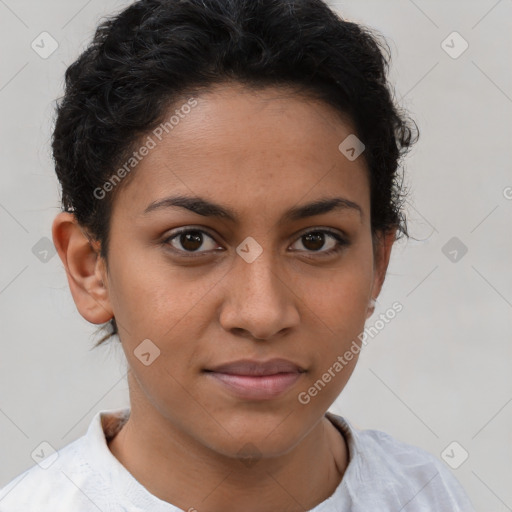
x=266, y=147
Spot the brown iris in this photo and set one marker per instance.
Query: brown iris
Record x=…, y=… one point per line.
x=191, y=240
x=314, y=241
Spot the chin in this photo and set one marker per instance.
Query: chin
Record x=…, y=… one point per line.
x=252, y=438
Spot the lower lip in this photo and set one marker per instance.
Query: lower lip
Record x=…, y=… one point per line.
x=265, y=387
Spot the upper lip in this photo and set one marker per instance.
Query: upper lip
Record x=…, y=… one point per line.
x=251, y=367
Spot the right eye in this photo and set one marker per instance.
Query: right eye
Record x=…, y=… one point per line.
x=190, y=240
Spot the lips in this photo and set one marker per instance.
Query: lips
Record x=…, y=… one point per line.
x=256, y=368
x=254, y=380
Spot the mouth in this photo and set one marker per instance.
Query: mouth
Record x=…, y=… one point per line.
x=254, y=380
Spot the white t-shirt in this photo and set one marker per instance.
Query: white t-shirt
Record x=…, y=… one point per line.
x=383, y=475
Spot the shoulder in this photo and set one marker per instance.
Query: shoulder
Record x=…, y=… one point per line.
x=53, y=482
x=67, y=479
x=381, y=465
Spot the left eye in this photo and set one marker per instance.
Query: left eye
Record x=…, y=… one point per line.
x=313, y=241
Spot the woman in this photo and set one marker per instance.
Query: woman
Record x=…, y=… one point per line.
x=229, y=172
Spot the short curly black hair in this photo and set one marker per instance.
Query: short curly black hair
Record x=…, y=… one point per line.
x=154, y=52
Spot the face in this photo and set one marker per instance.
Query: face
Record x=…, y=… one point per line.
x=255, y=277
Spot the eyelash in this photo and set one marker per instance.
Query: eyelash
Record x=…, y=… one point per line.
x=341, y=242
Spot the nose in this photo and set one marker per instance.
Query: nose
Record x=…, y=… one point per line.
x=259, y=300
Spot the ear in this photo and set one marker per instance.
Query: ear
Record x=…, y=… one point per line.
x=85, y=269
x=383, y=243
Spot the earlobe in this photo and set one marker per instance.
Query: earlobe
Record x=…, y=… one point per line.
x=84, y=268
x=371, y=307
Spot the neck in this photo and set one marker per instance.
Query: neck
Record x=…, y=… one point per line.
x=180, y=470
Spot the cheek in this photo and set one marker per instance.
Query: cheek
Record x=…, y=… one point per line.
x=150, y=297
x=167, y=306
x=340, y=297
x=337, y=321
x=337, y=308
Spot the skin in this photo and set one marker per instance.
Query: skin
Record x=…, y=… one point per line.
x=260, y=154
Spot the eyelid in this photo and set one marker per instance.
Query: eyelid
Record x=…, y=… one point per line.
x=322, y=229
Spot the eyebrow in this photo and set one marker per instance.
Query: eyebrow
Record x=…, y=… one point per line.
x=206, y=208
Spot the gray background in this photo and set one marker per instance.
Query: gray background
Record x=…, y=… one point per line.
x=439, y=372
